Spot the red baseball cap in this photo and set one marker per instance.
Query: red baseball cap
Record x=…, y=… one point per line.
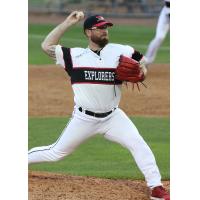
x=95, y=21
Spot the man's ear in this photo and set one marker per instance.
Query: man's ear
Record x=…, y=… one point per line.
x=87, y=32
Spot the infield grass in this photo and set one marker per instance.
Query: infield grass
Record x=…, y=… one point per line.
x=138, y=37
x=98, y=156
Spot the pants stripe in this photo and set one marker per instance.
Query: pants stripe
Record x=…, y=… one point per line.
x=56, y=141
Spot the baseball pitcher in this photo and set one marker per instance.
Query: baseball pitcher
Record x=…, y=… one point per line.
x=97, y=73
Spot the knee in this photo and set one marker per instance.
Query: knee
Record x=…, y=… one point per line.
x=135, y=143
x=59, y=155
x=159, y=38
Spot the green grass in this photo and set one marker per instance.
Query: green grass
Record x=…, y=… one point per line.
x=99, y=157
x=136, y=36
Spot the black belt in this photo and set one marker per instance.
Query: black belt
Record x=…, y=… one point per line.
x=167, y=4
x=99, y=115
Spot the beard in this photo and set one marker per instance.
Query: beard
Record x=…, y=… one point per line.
x=102, y=42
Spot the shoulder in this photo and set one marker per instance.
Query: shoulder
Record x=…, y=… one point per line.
x=115, y=45
x=120, y=47
x=74, y=49
x=77, y=50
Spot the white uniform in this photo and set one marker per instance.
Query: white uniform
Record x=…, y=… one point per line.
x=161, y=32
x=97, y=91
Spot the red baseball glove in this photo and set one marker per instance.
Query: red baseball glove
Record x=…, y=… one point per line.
x=129, y=70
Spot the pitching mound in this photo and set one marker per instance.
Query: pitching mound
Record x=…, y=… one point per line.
x=48, y=186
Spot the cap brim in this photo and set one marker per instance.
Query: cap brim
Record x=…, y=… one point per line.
x=103, y=23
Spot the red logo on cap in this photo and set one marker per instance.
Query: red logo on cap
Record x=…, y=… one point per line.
x=100, y=18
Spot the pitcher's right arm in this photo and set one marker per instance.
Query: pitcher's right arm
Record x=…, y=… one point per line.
x=52, y=39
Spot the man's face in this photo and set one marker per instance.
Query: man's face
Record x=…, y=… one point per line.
x=99, y=35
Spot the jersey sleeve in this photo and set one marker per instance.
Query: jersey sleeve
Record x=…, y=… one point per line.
x=63, y=58
x=127, y=50
x=137, y=55
x=131, y=52
x=59, y=56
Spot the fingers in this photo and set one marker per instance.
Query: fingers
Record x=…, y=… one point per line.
x=77, y=15
x=80, y=15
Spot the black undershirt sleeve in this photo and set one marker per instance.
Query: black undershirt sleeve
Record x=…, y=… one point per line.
x=137, y=55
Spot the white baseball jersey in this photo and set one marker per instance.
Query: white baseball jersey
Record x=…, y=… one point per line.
x=93, y=76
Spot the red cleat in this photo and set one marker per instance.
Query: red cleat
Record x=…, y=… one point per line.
x=159, y=193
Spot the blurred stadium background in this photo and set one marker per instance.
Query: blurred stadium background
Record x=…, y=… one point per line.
x=109, y=8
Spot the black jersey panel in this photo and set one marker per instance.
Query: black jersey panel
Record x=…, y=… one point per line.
x=94, y=75
x=68, y=60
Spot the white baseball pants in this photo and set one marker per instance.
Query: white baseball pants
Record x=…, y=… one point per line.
x=116, y=127
x=161, y=32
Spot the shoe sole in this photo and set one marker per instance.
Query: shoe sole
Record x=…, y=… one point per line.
x=155, y=198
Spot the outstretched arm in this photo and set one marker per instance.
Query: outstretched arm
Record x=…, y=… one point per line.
x=52, y=39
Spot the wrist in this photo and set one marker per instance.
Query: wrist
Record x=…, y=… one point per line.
x=143, y=67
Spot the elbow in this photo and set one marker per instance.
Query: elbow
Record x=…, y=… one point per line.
x=44, y=46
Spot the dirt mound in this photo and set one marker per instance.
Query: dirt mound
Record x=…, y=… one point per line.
x=49, y=186
x=50, y=93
